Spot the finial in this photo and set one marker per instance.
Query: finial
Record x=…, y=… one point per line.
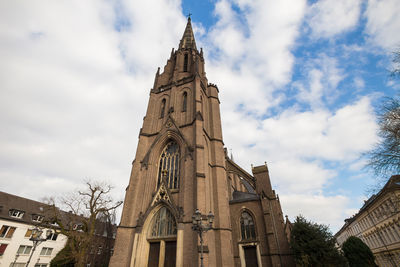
x=188, y=15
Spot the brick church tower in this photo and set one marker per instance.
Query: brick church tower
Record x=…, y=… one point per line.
x=180, y=166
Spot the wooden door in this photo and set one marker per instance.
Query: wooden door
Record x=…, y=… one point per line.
x=154, y=254
x=170, y=254
x=250, y=256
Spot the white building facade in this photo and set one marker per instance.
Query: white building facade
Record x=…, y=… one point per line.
x=18, y=217
x=377, y=224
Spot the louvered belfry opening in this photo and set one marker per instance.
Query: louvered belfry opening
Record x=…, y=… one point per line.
x=169, y=165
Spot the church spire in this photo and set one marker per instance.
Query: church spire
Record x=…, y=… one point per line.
x=187, y=40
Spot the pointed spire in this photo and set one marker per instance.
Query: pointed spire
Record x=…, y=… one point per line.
x=188, y=40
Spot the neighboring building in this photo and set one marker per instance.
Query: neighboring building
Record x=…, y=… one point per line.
x=377, y=224
x=18, y=216
x=181, y=165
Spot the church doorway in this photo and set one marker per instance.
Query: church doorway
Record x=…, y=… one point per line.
x=250, y=256
x=162, y=239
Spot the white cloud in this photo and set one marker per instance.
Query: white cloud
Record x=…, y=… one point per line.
x=359, y=82
x=72, y=96
x=328, y=210
x=261, y=39
x=383, y=23
x=323, y=77
x=297, y=144
x=328, y=18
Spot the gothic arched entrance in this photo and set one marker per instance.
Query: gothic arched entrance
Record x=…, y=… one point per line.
x=162, y=238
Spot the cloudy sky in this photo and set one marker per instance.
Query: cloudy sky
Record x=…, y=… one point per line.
x=299, y=84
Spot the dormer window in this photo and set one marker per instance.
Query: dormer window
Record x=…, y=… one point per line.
x=77, y=227
x=52, y=236
x=37, y=218
x=16, y=213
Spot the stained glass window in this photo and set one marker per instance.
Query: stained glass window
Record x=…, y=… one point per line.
x=169, y=165
x=247, y=226
x=164, y=224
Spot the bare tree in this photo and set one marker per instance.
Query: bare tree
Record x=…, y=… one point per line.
x=395, y=72
x=88, y=213
x=384, y=158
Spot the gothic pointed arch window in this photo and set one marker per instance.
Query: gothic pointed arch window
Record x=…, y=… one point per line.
x=184, y=102
x=163, y=225
x=185, y=62
x=247, y=227
x=162, y=111
x=169, y=165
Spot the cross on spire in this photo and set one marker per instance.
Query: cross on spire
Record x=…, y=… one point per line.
x=188, y=15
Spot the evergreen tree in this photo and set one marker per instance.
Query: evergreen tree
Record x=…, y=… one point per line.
x=313, y=245
x=357, y=253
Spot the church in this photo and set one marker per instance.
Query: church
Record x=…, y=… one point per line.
x=182, y=168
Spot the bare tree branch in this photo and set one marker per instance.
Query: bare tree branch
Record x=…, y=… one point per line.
x=88, y=209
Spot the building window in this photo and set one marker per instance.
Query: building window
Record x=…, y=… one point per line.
x=37, y=218
x=99, y=250
x=162, y=112
x=247, y=226
x=16, y=213
x=7, y=231
x=52, y=236
x=24, y=250
x=184, y=102
x=40, y=265
x=185, y=63
x=169, y=165
x=3, y=248
x=46, y=251
x=77, y=227
x=28, y=233
x=164, y=224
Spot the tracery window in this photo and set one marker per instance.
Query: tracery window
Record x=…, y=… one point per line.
x=184, y=102
x=164, y=224
x=247, y=226
x=169, y=165
x=185, y=62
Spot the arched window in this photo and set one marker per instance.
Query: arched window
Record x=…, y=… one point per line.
x=162, y=108
x=184, y=102
x=164, y=224
x=169, y=165
x=185, y=62
x=247, y=226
